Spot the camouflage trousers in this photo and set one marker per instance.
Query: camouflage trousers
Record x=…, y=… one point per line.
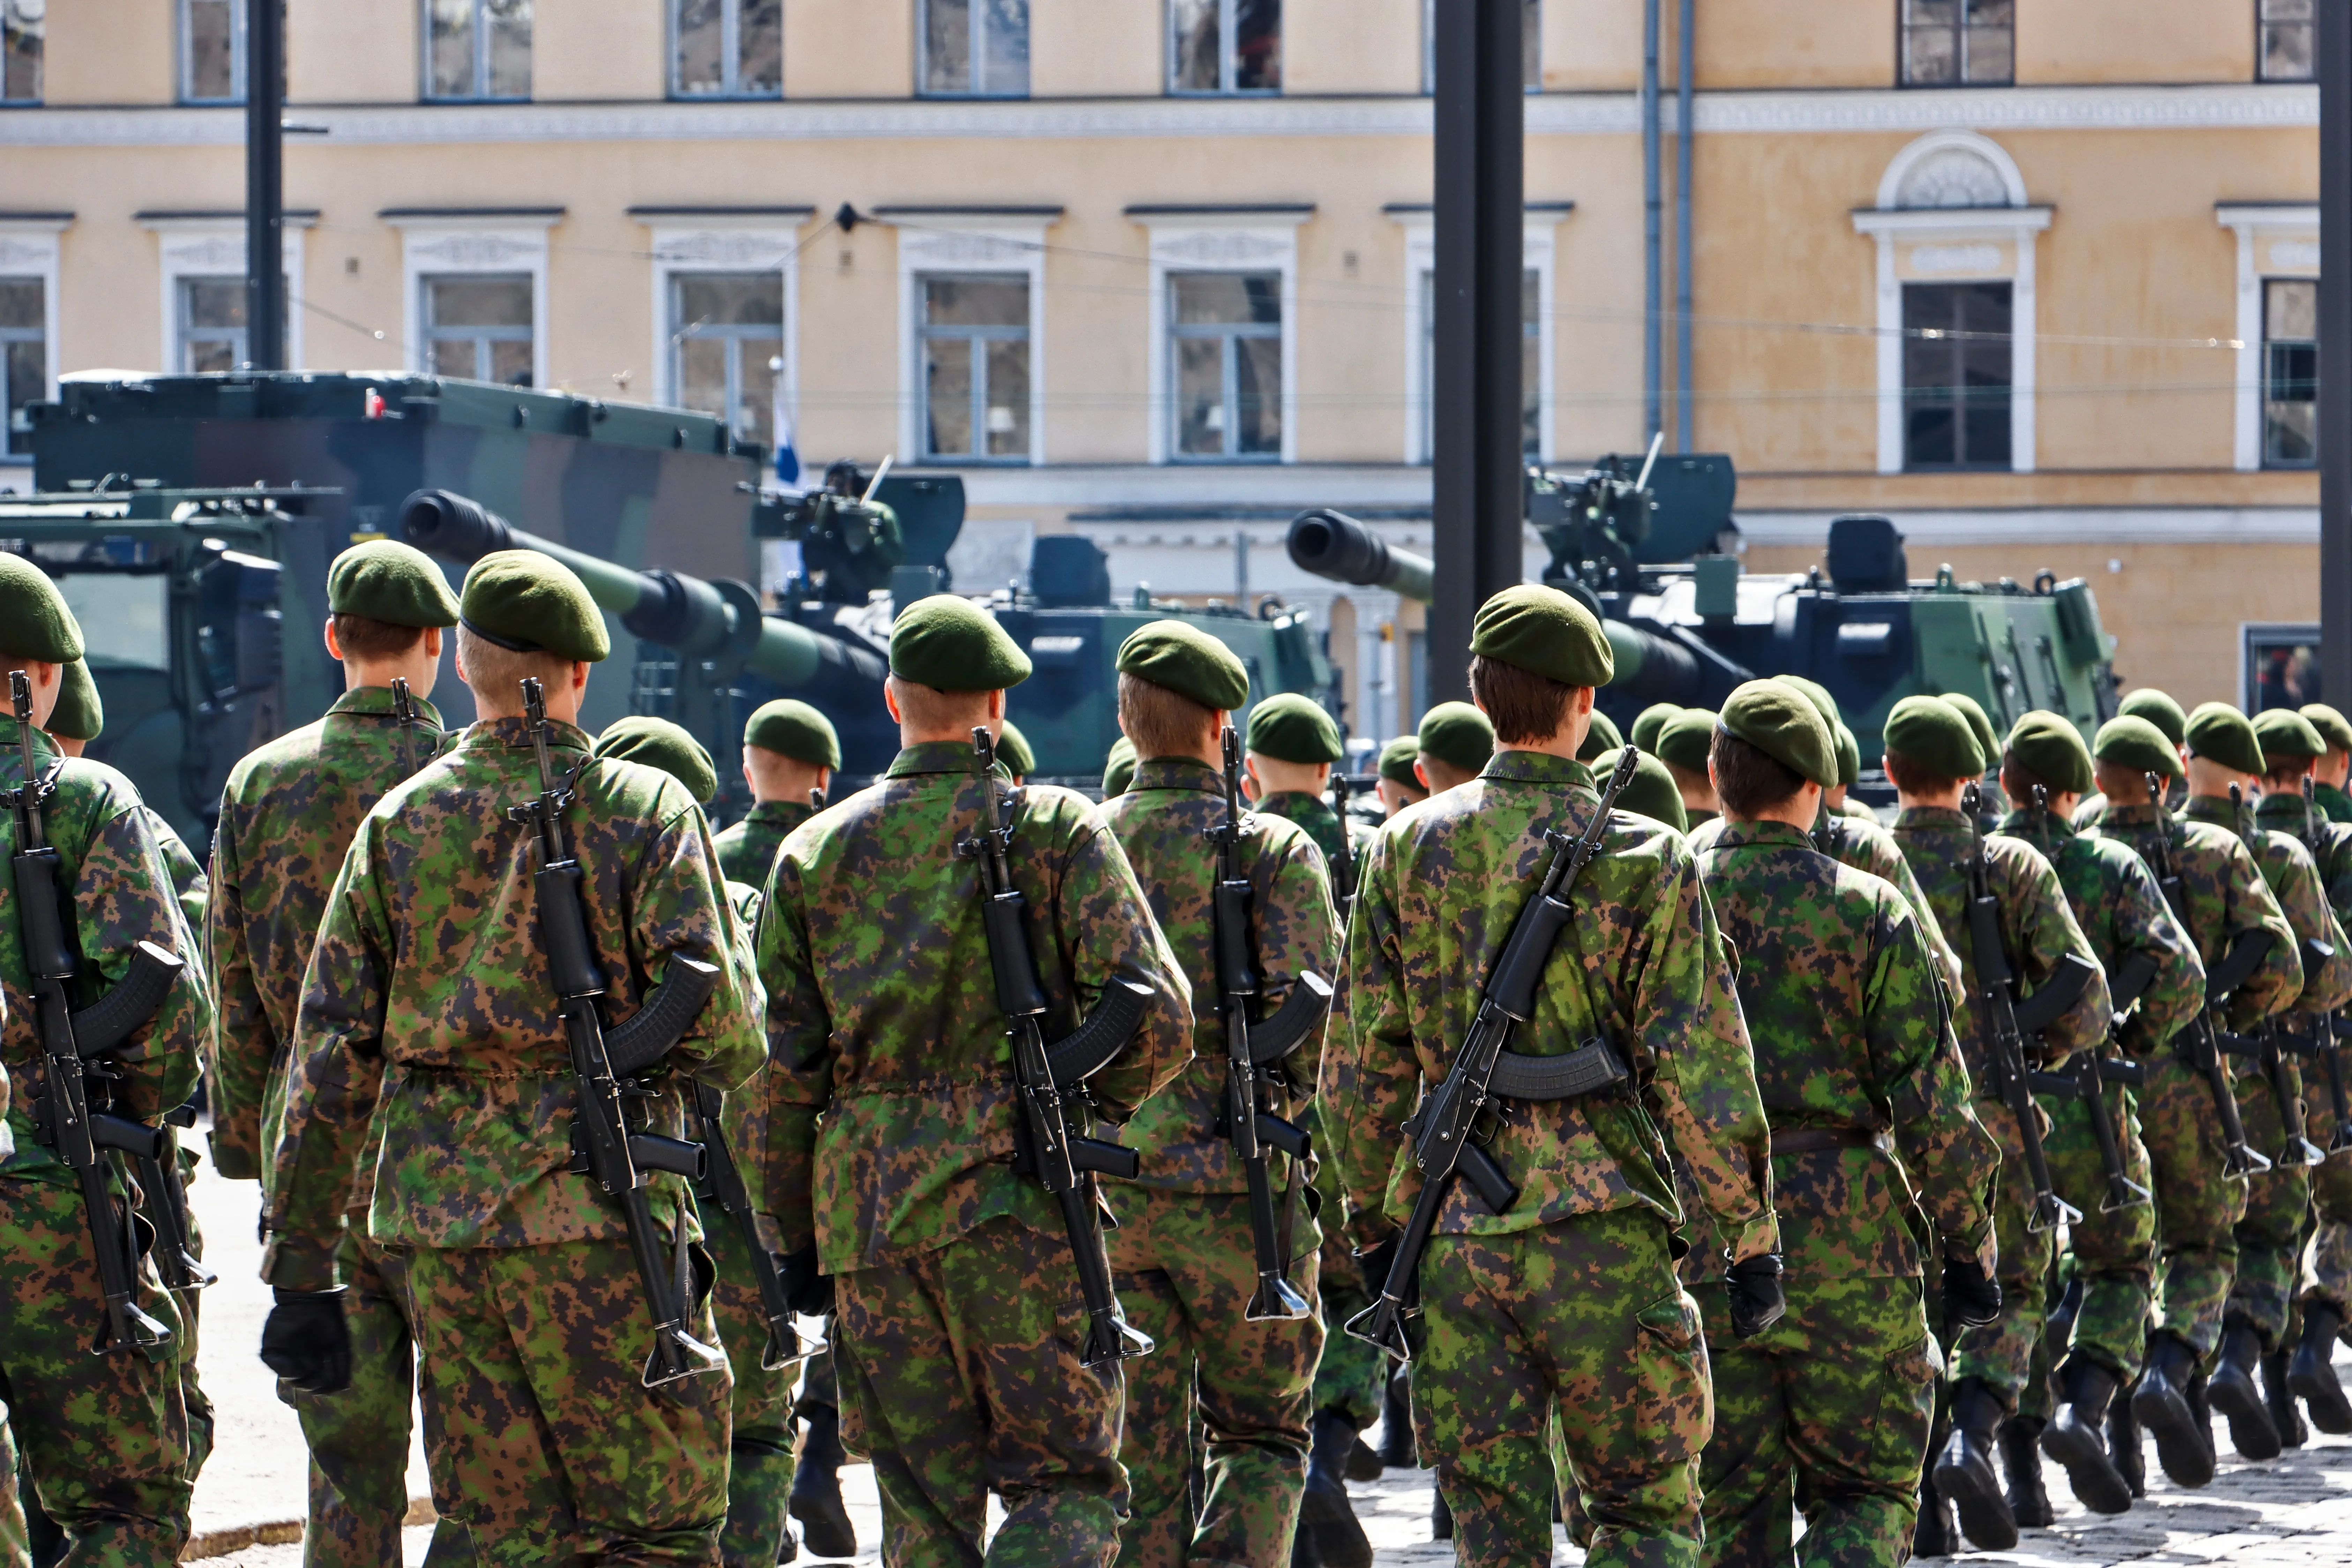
x=103, y=1438
x=2327, y=1276
x=2196, y=1208
x=1352, y=1376
x=2112, y=1252
x=2269, y=1232
x=1185, y=1269
x=959, y=1376
x=1827, y=1412
x=542, y=1440
x=1583, y=1319
x=760, y=1452
x=14, y=1548
x=2001, y=1352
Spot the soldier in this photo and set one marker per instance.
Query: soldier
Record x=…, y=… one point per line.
x=790, y=754
x=431, y=1036
x=1013, y=751
x=78, y=719
x=1649, y=723
x=1566, y=1306
x=2045, y=770
x=1401, y=785
x=1849, y=751
x=104, y=1438
x=1291, y=746
x=1682, y=746
x=1650, y=793
x=1828, y=1410
x=1981, y=726
x=2220, y=897
x=1456, y=742
x=1118, y=768
x=957, y=1330
x=2171, y=722
x=2330, y=773
x=1931, y=754
x=1603, y=736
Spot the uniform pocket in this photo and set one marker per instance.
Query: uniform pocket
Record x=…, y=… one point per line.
x=1674, y=1404
x=1906, y=1405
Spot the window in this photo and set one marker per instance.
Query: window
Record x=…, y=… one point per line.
x=211, y=51
x=478, y=49
x=2278, y=666
x=976, y=49
x=1225, y=46
x=729, y=343
x=1955, y=375
x=2290, y=372
x=1530, y=363
x=23, y=24
x=1530, y=45
x=1959, y=43
x=212, y=324
x=1227, y=362
x=478, y=327
x=24, y=356
x=976, y=366
x=727, y=48
x=2284, y=40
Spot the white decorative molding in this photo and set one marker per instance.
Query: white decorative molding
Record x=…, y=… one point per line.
x=432, y=243
x=2289, y=231
x=952, y=242
x=31, y=247
x=2025, y=526
x=1536, y=250
x=726, y=245
x=212, y=246
x=1978, y=257
x=1291, y=486
x=1254, y=241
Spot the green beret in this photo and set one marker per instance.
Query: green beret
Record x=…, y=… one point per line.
x=1601, y=736
x=1687, y=739
x=1816, y=693
x=1290, y=728
x=2220, y=734
x=2133, y=742
x=2160, y=710
x=530, y=603
x=1458, y=735
x=2049, y=744
x=2333, y=727
x=387, y=581
x=1651, y=791
x=1782, y=722
x=1849, y=756
x=1397, y=759
x=1979, y=725
x=78, y=715
x=951, y=644
x=1013, y=751
x=1544, y=632
x=1935, y=734
x=1118, y=768
x=2286, y=736
x=40, y=626
x=794, y=729
x=1188, y=661
x=1649, y=721
x=658, y=744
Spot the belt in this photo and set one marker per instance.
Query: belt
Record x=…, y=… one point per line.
x=1811, y=1140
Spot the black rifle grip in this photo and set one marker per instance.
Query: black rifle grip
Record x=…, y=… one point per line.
x=563, y=927
x=1984, y=932
x=1237, y=968
x=1017, y=994
x=43, y=927
x=1527, y=954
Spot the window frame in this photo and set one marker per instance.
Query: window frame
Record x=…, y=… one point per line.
x=685, y=242
x=1235, y=239
x=448, y=243
x=734, y=335
x=45, y=334
x=2262, y=23
x=2256, y=638
x=40, y=68
x=482, y=337
x=184, y=332
x=2264, y=285
x=1956, y=395
x=1539, y=248
x=973, y=337
x=1903, y=28
x=212, y=245
x=973, y=44
x=237, y=54
x=481, y=58
x=731, y=51
x=942, y=242
x=1531, y=49
x=1226, y=71
x=1229, y=334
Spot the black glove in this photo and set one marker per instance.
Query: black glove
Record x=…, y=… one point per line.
x=1969, y=1298
x=1375, y=1262
x=306, y=1343
x=806, y=1291
x=1754, y=1286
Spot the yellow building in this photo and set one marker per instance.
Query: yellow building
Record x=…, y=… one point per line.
x=1155, y=269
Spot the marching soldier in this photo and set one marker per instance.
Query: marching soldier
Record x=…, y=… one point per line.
x=1118, y=768
x=1649, y=723
x=790, y=754
x=2171, y=722
x=1291, y=746
x=1650, y=793
x=1602, y=736
x=1454, y=742
x=1401, y=785
x=1683, y=744
x=2331, y=772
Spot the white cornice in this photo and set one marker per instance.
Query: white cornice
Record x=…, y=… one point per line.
x=1201, y=484
x=2028, y=526
x=1946, y=223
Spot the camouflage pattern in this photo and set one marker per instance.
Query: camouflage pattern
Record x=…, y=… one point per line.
x=1314, y=813
x=748, y=849
x=15, y=1547
x=2326, y=1265
x=190, y=886
x=1862, y=844
x=2333, y=802
x=1352, y=1376
x=2037, y=929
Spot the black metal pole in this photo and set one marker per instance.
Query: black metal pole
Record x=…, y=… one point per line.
x=1480, y=228
x=1652, y=250
x=2333, y=67
x=265, y=186
x=1685, y=51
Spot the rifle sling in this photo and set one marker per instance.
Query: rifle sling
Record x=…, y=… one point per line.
x=1301, y=1012
x=1585, y=1070
x=1089, y=1048
x=102, y=1026
x=634, y=1046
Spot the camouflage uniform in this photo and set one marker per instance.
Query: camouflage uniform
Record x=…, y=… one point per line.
x=748, y=849
x=105, y=1439
x=1829, y=1409
x=895, y=1131
x=287, y=815
x=1860, y=842
x=429, y=1039
x=1314, y=813
x=1568, y=1302
x=1182, y=1255
x=15, y=1547
x=2333, y=802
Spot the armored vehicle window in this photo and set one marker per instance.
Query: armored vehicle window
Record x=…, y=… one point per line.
x=1530, y=364
x=23, y=24
x=1226, y=361
x=2282, y=40
x=24, y=355
x=1955, y=375
x=2290, y=372
x=478, y=49
x=727, y=332
x=975, y=48
x=480, y=327
x=975, y=331
x=133, y=607
x=211, y=51
x=1959, y=43
x=727, y=48
x=1225, y=46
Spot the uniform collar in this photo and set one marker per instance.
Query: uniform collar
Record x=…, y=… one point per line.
x=45, y=750
x=1536, y=767
x=1189, y=773
x=789, y=813
x=1732, y=835
x=516, y=733
x=1938, y=817
x=2215, y=809
x=2024, y=822
x=937, y=757
x=376, y=700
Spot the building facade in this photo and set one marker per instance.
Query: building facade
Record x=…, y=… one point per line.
x=2037, y=277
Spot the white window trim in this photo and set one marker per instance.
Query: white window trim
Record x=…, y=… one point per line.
x=214, y=247
x=2254, y=223
x=30, y=248
x=439, y=246
x=726, y=243
x=185, y=62
x=1537, y=248
x=947, y=242
x=1206, y=242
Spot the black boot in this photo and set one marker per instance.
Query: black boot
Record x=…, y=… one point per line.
x=2284, y=1416
x=1363, y=1460
x=1396, y=1422
x=2021, y=1464
x=1935, y=1535
x=2236, y=1391
x=2076, y=1438
x=2312, y=1374
x=2124, y=1449
x=1326, y=1520
x=816, y=1501
x=2163, y=1404
x=1965, y=1471
x=1441, y=1518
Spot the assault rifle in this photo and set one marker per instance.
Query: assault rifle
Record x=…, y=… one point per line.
x=1052, y=1078
x=606, y=1064
x=176, y=1248
x=76, y=1117
x=404, y=714
x=722, y=1184
x=1343, y=871
x=1445, y=1131
x=2268, y=1047
x=1249, y=1051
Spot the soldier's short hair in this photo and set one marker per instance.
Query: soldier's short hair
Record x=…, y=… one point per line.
x=1748, y=780
x=364, y=636
x=928, y=707
x=2017, y=780
x=1523, y=706
x=1912, y=778
x=1162, y=722
x=489, y=667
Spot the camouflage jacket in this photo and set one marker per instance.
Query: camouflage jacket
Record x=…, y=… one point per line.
x=2121, y=910
x=429, y=1009
x=1314, y=813
x=748, y=849
x=113, y=874
x=1442, y=886
x=2037, y=928
x=2333, y=802
x=895, y=1129
x=1851, y=1030
x=2222, y=894
x=1166, y=822
x=190, y=887
x=1865, y=846
x=2329, y=841
x=287, y=815
x=2293, y=879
